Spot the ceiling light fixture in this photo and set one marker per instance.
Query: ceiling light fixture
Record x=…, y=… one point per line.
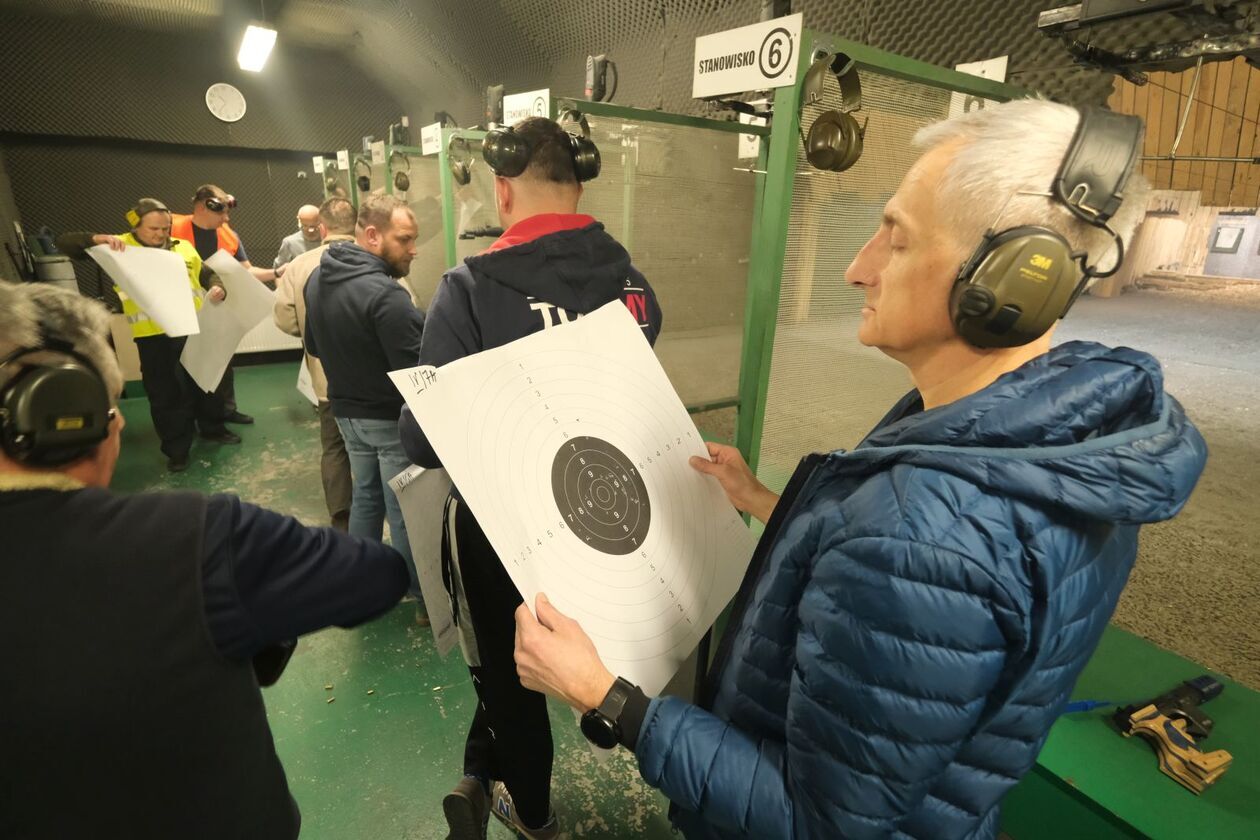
x=256, y=47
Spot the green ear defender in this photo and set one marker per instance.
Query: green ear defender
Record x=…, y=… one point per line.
x=1020, y=281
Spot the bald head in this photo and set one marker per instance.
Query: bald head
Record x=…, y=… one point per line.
x=308, y=222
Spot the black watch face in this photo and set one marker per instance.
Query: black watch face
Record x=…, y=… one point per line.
x=599, y=730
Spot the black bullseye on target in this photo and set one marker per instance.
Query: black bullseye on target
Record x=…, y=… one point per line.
x=601, y=495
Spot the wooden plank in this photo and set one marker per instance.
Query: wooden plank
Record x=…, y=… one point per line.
x=1246, y=181
x=1165, y=117
x=1233, y=121
x=1141, y=102
x=1216, y=134
x=1180, y=178
x=1202, y=120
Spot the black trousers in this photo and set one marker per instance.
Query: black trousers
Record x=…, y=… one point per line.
x=226, y=392
x=177, y=404
x=510, y=735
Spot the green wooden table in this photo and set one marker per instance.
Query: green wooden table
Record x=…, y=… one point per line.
x=1091, y=782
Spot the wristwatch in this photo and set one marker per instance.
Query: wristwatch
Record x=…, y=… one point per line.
x=602, y=726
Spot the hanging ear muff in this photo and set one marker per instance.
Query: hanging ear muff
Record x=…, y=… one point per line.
x=835, y=138
x=458, y=160
x=330, y=177
x=505, y=152
x=834, y=142
x=586, y=159
x=52, y=413
x=402, y=177
x=362, y=174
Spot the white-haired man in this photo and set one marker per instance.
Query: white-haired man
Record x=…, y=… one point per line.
x=919, y=608
x=131, y=622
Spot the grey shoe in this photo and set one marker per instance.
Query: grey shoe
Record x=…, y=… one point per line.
x=505, y=811
x=467, y=810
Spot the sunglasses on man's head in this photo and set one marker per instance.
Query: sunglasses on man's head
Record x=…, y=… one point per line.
x=218, y=205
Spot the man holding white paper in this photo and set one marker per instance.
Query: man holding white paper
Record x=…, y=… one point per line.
x=552, y=265
x=178, y=407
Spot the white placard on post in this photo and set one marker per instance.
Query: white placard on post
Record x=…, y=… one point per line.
x=431, y=139
x=317, y=163
x=757, y=57
x=422, y=495
x=378, y=152
x=990, y=68
x=750, y=144
x=518, y=106
x=343, y=160
x=571, y=447
x=223, y=325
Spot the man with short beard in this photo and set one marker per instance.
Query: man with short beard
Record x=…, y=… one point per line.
x=361, y=324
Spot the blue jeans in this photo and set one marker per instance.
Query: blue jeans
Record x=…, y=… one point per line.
x=376, y=456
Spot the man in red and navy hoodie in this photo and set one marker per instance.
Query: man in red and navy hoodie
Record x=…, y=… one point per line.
x=550, y=266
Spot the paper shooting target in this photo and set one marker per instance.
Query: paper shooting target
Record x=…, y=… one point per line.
x=570, y=447
x=601, y=495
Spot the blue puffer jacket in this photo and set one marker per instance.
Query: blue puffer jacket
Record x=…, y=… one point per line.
x=919, y=608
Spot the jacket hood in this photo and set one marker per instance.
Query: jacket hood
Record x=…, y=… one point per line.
x=344, y=261
x=579, y=269
x=1084, y=428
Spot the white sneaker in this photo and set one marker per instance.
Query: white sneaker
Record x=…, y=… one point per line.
x=505, y=811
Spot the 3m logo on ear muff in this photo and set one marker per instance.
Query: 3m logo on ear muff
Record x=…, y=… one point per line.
x=1041, y=261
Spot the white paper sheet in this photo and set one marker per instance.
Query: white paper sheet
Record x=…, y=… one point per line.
x=422, y=495
x=223, y=325
x=304, y=384
x=157, y=280
x=571, y=447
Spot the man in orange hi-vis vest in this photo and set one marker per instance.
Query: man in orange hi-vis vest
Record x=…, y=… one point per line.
x=208, y=229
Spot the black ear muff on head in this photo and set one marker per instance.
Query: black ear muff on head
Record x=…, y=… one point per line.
x=402, y=176
x=586, y=160
x=52, y=412
x=362, y=174
x=506, y=152
x=1020, y=281
x=459, y=160
x=834, y=140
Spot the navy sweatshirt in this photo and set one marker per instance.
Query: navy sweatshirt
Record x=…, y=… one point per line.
x=361, y=324
x=546, y=270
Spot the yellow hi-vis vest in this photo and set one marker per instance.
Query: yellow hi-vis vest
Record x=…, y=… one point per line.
x=141, y=324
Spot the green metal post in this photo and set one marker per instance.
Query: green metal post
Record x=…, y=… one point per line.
x=448, y=196
x=630, y=167
x=765, y=264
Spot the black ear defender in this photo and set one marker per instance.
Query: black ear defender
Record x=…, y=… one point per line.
x=508, y=153
x=52, y=413
x=1020, y=281
x=218, y=205
x=586, y=160
x=362, y=174
x=459, y=160
x=505, y=152
x=402, y=177
x=834, y=141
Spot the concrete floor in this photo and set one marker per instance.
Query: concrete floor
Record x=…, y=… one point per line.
x=1196, y=587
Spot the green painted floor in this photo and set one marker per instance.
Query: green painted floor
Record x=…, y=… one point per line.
x=370, y=765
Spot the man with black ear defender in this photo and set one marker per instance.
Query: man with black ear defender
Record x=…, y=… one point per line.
x=178, y=406
x=550, y=266
x=918, y=609
x=138, y=627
